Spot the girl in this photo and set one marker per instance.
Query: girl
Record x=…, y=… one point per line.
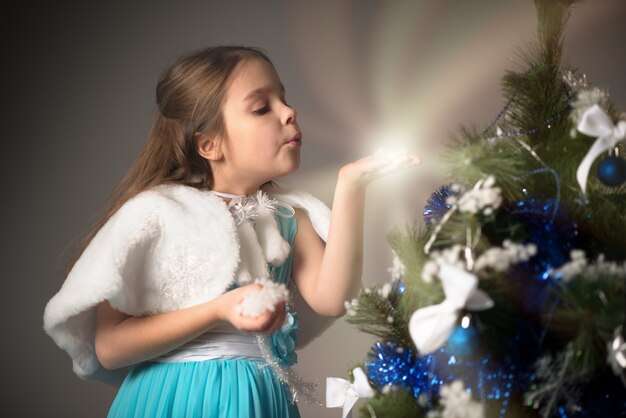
x=153, y=296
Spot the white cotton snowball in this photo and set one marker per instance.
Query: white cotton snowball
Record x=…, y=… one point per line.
x=256, y=303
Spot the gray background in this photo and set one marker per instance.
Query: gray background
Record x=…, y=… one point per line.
x=79, y=81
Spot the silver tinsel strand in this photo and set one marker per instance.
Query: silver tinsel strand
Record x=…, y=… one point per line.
x=299, y=388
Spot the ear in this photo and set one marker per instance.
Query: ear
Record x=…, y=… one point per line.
x=208, y=146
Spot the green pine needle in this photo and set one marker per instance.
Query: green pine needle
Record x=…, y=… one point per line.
x=397, y=403
x=408, y=244
x=471, y=158
x=590, y=309
x=378, y=316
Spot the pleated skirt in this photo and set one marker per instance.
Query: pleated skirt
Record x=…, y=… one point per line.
x=221, y=388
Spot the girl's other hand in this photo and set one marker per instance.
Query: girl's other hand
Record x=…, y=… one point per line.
x=365, y=170
x=266, y=323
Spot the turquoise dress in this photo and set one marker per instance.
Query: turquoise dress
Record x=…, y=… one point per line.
x=227, y=387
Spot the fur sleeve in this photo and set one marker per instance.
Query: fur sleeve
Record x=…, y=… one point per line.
x=113, y=258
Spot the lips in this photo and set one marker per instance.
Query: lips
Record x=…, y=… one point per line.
x=296, y=139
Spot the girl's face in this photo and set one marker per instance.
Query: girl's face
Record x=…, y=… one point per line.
x=263, y=139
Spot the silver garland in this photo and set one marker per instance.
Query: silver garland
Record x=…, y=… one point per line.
x=299, y=388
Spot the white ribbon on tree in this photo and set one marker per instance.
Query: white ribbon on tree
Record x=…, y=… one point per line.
x=431, y=327
x=617, y=352
x=342, y=393
x=596, y=123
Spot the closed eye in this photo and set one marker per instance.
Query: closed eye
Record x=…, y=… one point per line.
x=262, y=111
x=266, y=108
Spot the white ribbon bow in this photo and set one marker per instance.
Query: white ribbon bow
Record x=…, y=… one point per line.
x=430, y=327
x=340, y=392
x=617, y=352
x=595, y=122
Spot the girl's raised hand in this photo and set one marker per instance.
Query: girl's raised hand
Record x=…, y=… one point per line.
x=365, y=170
x=266, y=323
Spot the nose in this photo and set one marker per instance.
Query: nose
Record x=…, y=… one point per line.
x=289, y=114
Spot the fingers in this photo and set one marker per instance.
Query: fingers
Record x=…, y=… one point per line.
x=388, y=164
x=396, y=167
x=374, y=165
x=275, y=320
x=253, y=287
x=252, y=325
x=278, y=319
x=266, y=323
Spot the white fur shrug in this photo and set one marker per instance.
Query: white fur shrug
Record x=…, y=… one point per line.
x=167, y=248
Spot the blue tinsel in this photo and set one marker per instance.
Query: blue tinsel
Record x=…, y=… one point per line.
x=389, y=364
x=489, y=380
x=436, y=206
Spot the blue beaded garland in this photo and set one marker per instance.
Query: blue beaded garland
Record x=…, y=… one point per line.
x=612, y=171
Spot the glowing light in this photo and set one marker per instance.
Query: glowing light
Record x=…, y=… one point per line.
x=465, y=322
x=403, y=65
x=393, y=157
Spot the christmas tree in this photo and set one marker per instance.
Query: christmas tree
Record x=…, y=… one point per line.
x=510, y=300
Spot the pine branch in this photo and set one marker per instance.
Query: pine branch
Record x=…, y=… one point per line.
x=556, y=383
x=471, y=157
x=604, y=229
x=397, y=403
x=552, y=16
x=408, y=243
x=590, y=310
x=376, y=315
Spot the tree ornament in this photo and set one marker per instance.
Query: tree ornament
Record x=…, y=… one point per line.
x=340, y=393
x=463, y=343
x=612, y=171
x=431, y=326
x=596, y=123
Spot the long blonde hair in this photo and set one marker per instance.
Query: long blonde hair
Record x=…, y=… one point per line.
x=189, y=96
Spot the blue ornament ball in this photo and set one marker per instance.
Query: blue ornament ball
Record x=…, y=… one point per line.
x=464, y=342
x=612, y=171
